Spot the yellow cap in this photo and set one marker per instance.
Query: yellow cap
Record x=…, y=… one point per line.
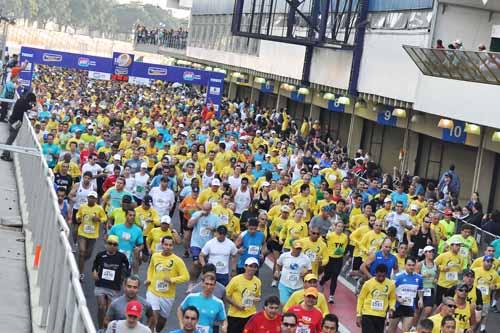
x=113, y=239
x=311, y=292
x=310, y=277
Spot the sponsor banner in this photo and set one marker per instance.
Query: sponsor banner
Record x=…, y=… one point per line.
x=122, y=63
x=141, y=81
x=99, y=76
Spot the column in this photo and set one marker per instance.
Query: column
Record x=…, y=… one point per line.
x=314, y=112
x=355, y=131
x=233, y=88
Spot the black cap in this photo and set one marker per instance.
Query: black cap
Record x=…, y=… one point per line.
x=127, y=198
x=222, y=229
x=469, y=272
x=148, y=200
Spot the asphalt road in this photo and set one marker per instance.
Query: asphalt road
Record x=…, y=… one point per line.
x=88, y=285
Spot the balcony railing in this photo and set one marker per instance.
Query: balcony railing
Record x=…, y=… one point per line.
x=169, y=41
x=474, y=66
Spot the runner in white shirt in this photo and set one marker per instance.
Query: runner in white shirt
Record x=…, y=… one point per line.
x=290, y=270
x=94, y=168
x=235, y=179
x=163, y=197
x=141, y=182
x=399, y=220
x=242, y=197
x=219, y=250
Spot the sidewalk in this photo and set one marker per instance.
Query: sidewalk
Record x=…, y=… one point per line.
x=14, y=294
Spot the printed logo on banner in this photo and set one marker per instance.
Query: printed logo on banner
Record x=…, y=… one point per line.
x=456, y=134
x=215, y=80
x=124, y=60
x=214, y=91
x=83, y=62
x=295, y=96
x=155, y=71
x=335, y=106
x=50, y=57
x=27, y=55
x=190, y=76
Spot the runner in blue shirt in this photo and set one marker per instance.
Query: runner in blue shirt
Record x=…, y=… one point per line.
x=130, y=239
x=409, y=285
x=210, y=308
x=190, y=316
x=249, y=244
x=51, y=151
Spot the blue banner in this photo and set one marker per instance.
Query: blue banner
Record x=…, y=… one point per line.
x=267, y=87
x=65, y=59
x=336, y=107
x=386, y=118
x=122, y=63
x=295, y=96
x=456, y=134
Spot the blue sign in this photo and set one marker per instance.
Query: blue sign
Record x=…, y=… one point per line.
x=336, y=107
x=267, y=87
x=456, y=134
x=386, y=118
x=295, y=96
x=122, y=63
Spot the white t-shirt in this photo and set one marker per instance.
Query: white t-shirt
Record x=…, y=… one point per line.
x=398, y=221
x=94, y=169
x=163, y=201
x=291, y=269
x=234, y=182
x=140, y=185
x=120, y=326
x=242, y=200
x=219, y=253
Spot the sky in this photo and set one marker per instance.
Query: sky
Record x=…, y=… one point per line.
x=179, y=13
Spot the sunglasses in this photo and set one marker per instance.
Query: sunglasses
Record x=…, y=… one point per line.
x=452, y=306
x=314, y=233
x=112, y=244
x=289, y=325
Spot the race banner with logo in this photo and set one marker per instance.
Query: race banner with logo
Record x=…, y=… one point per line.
x=122, y=63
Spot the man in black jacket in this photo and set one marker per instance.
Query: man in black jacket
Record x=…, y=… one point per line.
x=23, y=105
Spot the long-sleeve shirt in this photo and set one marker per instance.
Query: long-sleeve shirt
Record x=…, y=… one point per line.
x=161, y=267
x=376, y=298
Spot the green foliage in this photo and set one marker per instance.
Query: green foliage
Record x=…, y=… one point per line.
x=105, y=17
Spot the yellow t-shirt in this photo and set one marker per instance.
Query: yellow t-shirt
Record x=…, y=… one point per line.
x=243, y=291
x=371, y=242
x=277, y=225
x=87, y=227
x=154, y=239
x=147, y=219
x=336, y=244
x=298, y=298
x=462, y=317
x=376, y=298
x=484, y=280
x=225, y=214
x=437, y=319
x=316, y=252
x=356, y=238
x=210, y=196
x=162, y=267
x=292, y=231
x=455, y=264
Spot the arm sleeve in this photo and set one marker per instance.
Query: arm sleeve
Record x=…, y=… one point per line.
x=183, y=273
x=392, y=297
x=361, y=300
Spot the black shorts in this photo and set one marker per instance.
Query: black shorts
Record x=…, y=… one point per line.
x=404, y=311
x=356, y=263
x=430, y=300
x=273, y=245
x=372, y=324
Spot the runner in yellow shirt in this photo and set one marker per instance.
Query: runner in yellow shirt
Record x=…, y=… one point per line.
x=293, y=230
x=212, y=194
x=165, y=271
x=310, y=281
x=486, y=280
x=449, y=263
x=315, y=248
x=89, y=218
x=156, y=235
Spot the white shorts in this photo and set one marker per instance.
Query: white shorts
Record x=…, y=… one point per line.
x=162, y=304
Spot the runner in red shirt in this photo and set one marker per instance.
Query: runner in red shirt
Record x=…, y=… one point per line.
x=309, y=318
x=267, y=320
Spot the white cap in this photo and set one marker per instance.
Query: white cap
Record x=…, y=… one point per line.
x=89, y=121
x=413, y=207
x=215, y=182
x=166, y=219
x=267, y=155
x=181, y=125
x=388, y=199
x=285, y=208
x=316, y=166
x=258, y=132
x=251, y=261
x=90, y=126
x=428, y=248
x=265, y=184
x=144, y=165
x=457, y=41
x=117, y=157
x=258, y=163
x=92, y=194
x=279, y=167
x=185, y=133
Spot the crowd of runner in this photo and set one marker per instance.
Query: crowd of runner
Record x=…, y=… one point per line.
x=152, y=169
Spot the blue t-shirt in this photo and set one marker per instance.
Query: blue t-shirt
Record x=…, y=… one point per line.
x=407, y=286
x=389, y=262
x=51, y=153
x=496, y=245
x=403, y=197
x=115, y=198
x=211, y=309
x=8, y=90
x=252, y=245
x=77, y=127
x=129, y=238
x=202, y=231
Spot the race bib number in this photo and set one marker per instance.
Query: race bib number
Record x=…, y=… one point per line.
x=126, y=236
x=303, y=329
x=427, y=292
x=88, y=228
x=202, y=329
x=378, y=305
x=464, y=252
x=108, y=274
x=224, y=219
x=451, y=276
x=293, y=277
x=161, y=286
x=248, y=301
x=485, y=289
x=253, y=250
x=220, y=266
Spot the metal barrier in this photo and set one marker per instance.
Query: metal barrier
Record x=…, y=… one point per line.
x=62, y=302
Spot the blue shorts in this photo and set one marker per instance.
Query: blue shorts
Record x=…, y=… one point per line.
x=195, y=252
x=222, y=279
x=285, y=292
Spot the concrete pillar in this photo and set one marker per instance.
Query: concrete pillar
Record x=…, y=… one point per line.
x=355, y=132
x=485, y=175
x=314, y=112
x=233, y=88
x=411, y=152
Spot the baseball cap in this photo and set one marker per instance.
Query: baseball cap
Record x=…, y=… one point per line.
x=144, y=165
x=488, y=258
x=258, y=132
x=166, y=219
x=251, y=261
x=428, y=248
x=215, y=182
x=265, y=184
x=316, y=166
x=285, y=208
x=134, y=308
x=388, y=199
x=113, y=239
x=117, y=157
x=310, y=277
x=462, y=286
x=92, y=194
x=258, y=163
x=297, y=244
x=311, y=292
x=222, y=229
x=413, y=207
x=148, y=200
x=455, y=239
x=469, y=272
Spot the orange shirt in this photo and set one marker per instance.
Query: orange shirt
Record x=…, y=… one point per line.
x=189, y=206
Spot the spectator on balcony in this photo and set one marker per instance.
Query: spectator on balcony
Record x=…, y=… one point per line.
x=492, y=223
x=457, y=44
x=482, y=48
x=454, y=182
x=439, y=44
